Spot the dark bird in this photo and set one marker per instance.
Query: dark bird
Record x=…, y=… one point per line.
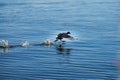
x=60, y=36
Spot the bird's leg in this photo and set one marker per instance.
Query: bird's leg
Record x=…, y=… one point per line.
x=56, y=40
x=62, y=42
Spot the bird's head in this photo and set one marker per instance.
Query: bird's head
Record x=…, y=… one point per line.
x=68, y=32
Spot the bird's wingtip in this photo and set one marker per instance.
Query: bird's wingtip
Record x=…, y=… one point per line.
x=71, y=38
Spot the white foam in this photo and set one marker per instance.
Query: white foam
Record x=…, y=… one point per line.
x=4, y=43
x=25, y=44
x=48, y=42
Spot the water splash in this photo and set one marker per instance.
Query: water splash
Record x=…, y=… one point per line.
x=25, y=44
x=4, y=43
x=48, y=42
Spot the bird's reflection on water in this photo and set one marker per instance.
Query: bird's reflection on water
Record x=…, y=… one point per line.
x=4, y=50
x=62, y=50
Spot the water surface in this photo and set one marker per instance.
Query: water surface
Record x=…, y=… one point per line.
x=93, y=56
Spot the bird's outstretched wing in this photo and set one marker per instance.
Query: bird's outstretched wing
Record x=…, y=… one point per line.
x=68, y=37
x=71, y=38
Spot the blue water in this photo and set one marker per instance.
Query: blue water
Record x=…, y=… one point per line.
x=94, y=55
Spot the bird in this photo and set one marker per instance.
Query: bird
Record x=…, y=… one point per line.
x=66, y=35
